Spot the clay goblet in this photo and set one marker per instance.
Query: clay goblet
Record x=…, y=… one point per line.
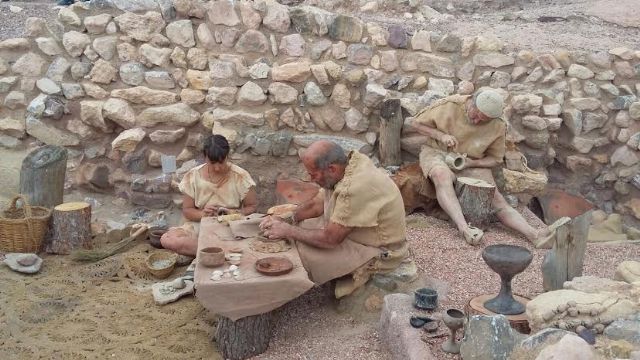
x=453, y=319
x=507, y=261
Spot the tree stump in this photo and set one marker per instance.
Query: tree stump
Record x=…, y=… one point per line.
x=390, y=128
x=476, y=198
x=42, y=176
x=564, y=261
x=70, y=228
x=244, y=337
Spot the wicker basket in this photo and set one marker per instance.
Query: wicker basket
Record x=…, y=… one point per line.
x=23, y=229
x=161, y=263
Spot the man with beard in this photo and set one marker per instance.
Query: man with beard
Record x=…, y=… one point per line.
x=363, y=230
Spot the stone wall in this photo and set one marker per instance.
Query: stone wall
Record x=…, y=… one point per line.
x=121, y=88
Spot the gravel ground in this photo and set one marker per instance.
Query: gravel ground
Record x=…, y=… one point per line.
x=12, y=24
x=311, y=328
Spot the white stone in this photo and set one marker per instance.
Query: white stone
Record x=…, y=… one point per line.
x=154, y=56
x=313, y=94
x=356, y=121
x=103, y=72
x=120, y=112
x=444, y=86
x=97, y=24
x=181, y=33
x=222, y=95
x=580, y=72
x=251, y=94
x=494, y=60
x=128, y=140
x=47, y=86
x=280, y=93
x=29, y=64
x=259, y=70
x=105, y=46
x=176, y=115
x=140, y=27
x=48, y=46
x=144, y=95
x=75, y=42
x=421, y=40
x=48, y=134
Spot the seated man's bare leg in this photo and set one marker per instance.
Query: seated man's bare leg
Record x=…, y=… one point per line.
x=180, y=241
x=541, y=238
x=443, y=179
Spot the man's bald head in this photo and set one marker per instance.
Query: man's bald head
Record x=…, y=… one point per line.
x=323, y=153
x=325, y=162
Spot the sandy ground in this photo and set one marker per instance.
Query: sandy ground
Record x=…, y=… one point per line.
x=105, y=310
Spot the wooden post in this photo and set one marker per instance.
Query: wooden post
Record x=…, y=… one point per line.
x=42, y=176
x=390, y=128
x=70, y=228
x=475, y=197
x=246, y=337
x=564, y=261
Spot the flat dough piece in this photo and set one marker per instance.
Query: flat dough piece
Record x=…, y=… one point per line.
x=269, y=247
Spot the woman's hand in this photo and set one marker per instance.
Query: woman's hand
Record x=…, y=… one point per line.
x=210, y=210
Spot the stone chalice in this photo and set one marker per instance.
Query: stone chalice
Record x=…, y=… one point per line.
x=507, y=261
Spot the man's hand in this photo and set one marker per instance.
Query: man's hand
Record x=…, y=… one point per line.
x=449, y=141
x=274, y=228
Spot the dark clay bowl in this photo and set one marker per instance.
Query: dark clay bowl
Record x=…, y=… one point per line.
x=426, y=299
x=154, y=237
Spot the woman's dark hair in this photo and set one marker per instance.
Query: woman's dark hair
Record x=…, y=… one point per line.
x=216, y=148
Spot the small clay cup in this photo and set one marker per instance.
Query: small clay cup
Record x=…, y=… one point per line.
x=154, y=237
x=211, y=256
x=426, y=299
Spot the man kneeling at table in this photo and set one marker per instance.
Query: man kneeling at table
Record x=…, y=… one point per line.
x=364, y=220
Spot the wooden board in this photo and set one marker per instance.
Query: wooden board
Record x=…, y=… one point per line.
x=564, y=261
x=390, y=129
x=42, y=176
x=519, y=322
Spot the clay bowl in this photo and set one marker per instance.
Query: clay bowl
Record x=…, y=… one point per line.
x=154, y=237
x=211, y=256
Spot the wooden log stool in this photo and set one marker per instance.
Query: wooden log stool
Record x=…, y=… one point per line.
x=476, y=198
x=70, y=228
x=518, y=322
x=245, y=337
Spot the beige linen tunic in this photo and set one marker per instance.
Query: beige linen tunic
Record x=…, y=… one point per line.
x=449, y=116
x=367, y=201
x=228, y=193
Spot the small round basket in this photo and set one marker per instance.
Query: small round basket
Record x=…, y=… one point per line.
x=161, y=263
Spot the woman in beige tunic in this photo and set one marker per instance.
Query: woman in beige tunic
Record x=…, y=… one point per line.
x=214, y=188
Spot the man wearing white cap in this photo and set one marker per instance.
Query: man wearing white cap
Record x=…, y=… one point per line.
x=472, y=126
